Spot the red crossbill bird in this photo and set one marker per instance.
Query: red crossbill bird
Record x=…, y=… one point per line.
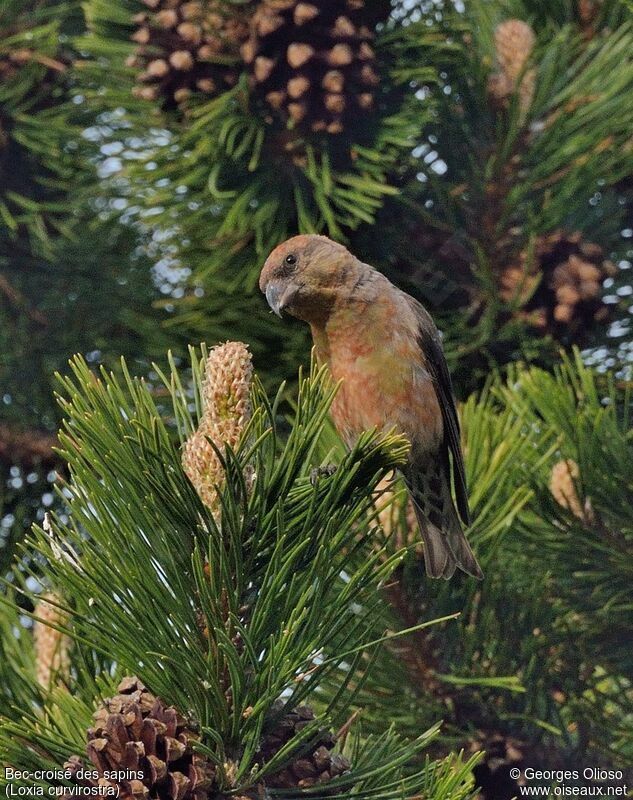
x=384, y=349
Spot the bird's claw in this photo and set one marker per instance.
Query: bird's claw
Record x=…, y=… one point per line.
x=322, y=472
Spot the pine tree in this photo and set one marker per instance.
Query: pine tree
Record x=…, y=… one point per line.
x=488, y=173
x=219, y=642
x=245, y=540
x=480, y=155
x=69, y=282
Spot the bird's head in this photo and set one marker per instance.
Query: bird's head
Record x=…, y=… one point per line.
x=306, y=276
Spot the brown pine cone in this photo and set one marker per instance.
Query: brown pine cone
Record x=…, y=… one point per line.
x=151, y=748
x=316, y=766
x=187, y=46
x=312, y=63
x=558, y=285
x=150, y=744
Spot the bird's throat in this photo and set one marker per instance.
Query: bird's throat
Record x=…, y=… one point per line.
x=321, y=344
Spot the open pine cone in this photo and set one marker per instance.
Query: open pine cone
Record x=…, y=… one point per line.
x=559, y=285
x=151, y=747
x=136, y=732
x=312, y=62
x=317, y=766
x=186, y=47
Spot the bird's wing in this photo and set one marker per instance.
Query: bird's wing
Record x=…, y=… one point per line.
x=431, y=346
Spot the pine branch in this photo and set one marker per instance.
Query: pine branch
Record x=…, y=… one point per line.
x=563, y=552
x=416, y=651
x=28, y=449
x=272, y=593
x=17, y=299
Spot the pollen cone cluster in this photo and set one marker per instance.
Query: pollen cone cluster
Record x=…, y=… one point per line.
x=558, y=285
x=564, y=482
x=514, y=42
x=152, y=747
x=313, y=63
x=186, y=47
x=225, y=415
x=51, y=646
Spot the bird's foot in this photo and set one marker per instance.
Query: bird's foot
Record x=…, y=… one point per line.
x=322, y=472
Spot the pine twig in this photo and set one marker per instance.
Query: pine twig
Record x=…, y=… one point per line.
x=28, y=448
x=415, y=649
x=17, y=299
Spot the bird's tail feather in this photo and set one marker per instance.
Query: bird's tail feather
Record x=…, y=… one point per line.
x=445, y=545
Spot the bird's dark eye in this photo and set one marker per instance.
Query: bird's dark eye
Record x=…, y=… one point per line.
x=291, y=260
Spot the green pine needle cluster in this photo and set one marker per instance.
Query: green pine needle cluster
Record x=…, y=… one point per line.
x=553, y=610
x=277, y=599
x=128, y=227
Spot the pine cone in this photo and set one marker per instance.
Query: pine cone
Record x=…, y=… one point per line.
x=17, y=55
x=559, y=286
x=187, y=46
x=137, y=734
x=226, y=412
x=51, y=646
x=514, y=42
x=316, y=766
x=492, y=775
x=150, y=745
x=312, y=63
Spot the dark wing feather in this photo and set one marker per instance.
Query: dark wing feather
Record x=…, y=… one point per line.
x=431, y=346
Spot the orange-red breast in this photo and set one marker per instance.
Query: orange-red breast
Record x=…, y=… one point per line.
x=384, y=347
